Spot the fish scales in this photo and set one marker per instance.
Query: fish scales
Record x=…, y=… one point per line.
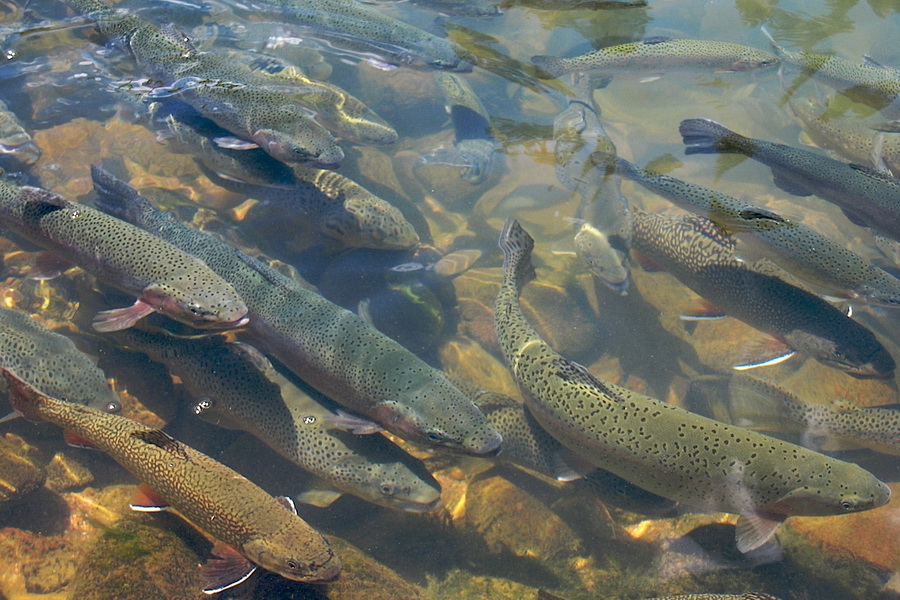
x=665, y=449
x=868, y=197
x=237, y=388
x=217, y=499
x=330, y=348
x=695, y=251
x=162, y=277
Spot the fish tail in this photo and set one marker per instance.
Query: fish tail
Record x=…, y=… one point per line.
x=25, y=399
x=703, y=136
x=548, y=67
x=117, y=198
x=517, y=246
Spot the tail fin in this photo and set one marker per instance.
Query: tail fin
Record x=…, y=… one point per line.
x=517, y=246
x=117, y=198
x=25, y=399
x=548, y=67
x=703, y=136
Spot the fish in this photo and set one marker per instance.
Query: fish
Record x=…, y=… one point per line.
x=163, y=278
x=363, y=30
x=744, y=596
x=253, y=528
x=658, y=54
x=15, y=142
x=866, y=196
x=760, y=404
x=224, y=90
x=235, y=386
x=52, y=362
x=695, y=252
x=603, y=259
x=330, y=348
x=820, y=263
x=662, y=448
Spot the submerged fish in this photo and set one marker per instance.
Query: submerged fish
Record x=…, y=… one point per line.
x=257, y=529
x=163, y=278
x=664, y=449
x=52, y=362
x=330, y=348
x=819, y=262
x=236, y=387
x=868, y=197
x=763, y=405
x=658, y=54
x=14, y=140
x=696, y=252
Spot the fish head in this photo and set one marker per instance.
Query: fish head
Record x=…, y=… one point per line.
x=311, y=145
x=395, y=484
x=296, y=553
x=370, y=222
x=755, y=59
x=222, y=311
x=606, y=262
x=463, y=428
x=842, y=488
x=861, y=358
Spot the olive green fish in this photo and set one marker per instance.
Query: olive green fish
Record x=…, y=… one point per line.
x=52, y=362
x=258, y=529
x=820, y=263
x=866, y=196
x=657, y=55
x=696, y=252
x=330, y=348
x=162, y=277
x=236, y=387
x=662, y=448
x=763, y=405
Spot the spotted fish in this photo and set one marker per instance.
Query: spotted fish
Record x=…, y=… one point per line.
x=52, y=362
x=330, y=348
x=658, y=54
x=236, y=387
x=819, y=262
x=163, y=278
x=868, y=197
x=257, y=529
x=696, y=252
x=662, y=448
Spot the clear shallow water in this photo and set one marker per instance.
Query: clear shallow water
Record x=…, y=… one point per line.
x=503, y=534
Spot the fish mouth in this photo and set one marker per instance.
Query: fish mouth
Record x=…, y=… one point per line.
x=418, y=507
x=491, y=447
x=227, y=324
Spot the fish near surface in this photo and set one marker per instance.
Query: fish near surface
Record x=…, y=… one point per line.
x=665, y=449
x=330, y=348
x=658, y=54
x=696, y=253
x=259, y=529
x=866, y=196
x=14, y=140
x=162, y=277
x=236, y=387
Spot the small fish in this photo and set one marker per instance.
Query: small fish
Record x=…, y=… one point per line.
x=662, y=448
x=696, y=252
x=820, y=263
x=52, y=362
x=14, y=140
x=602, y=258
x=330, y=348
x=257, y=529
x=866, y=196
x=763, y=405
x=658, y=54
x=236, y=387
x=163, y=278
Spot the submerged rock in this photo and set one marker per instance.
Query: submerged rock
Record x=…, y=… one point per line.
x=20, y=472
x=66, y=473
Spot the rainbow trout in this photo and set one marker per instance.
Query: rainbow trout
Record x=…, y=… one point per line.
x=236, y=387
x=52, y=362
x=163, y=278
x=330, y=348
x=226, y=91
x=819, y=262
x=665, y=449
x=696, y=253
x=866, y=196
x=257, y=529
x=658, y=54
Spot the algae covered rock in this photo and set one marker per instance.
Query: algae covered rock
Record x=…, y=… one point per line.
x=66, y=473
x=20, y=473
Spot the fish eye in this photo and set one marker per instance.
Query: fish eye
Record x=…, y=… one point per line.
x=846, y=505
x=113, y=406
x=433, y=436
x=387, y=489
x=291, y=564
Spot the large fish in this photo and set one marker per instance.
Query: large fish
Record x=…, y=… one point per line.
x=52, y=362
x=227, y=91
x=763, y=405
x=236, y=387
x=819, y=262
x=330, y=348
x=162, y=277
x=255, y=528
x=868, y=197
x=657, y=55
x=662, y=448
x=696, y=252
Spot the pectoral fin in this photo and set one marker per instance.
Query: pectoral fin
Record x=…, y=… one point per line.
x=229, y=569
x=117, y=319
x=764, y=352
x=353, y=423
x=48, y=265
x=147, y=500
x=318, y=498
x=753, y=530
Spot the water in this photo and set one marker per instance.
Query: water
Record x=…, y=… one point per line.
x=500, y=533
